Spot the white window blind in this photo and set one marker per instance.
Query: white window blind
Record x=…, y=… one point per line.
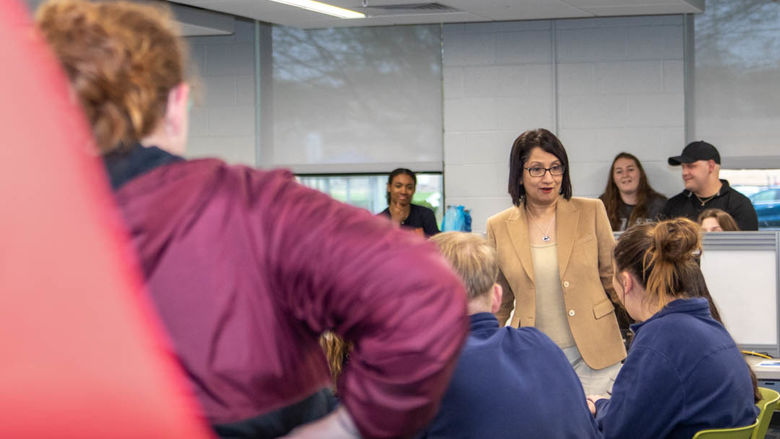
x=736, y=77
x=353, y=100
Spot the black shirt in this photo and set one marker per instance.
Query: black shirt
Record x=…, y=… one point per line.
x=686, y=204
x=420, y=217
x=654, y=207
x=125, y=165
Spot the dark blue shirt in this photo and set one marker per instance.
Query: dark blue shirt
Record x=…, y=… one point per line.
x=684, y=373
x=420, y=217
x=512, y=383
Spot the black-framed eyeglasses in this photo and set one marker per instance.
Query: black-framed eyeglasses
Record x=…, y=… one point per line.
x=538, y=171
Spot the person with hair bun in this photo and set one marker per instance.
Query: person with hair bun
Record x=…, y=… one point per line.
x=716, y=220
x=247, y=268
x=683, y=373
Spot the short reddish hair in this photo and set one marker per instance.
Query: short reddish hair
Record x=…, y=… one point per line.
x=122, y=60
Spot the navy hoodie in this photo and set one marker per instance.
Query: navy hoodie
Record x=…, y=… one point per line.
x=684, y=373
x=512, y=383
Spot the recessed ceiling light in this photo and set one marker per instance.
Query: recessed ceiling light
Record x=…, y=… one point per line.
x=322, y=8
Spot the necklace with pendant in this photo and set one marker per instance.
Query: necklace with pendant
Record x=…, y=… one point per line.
x=546, y=232
x=704, y=201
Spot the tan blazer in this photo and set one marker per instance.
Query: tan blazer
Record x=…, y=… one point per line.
x=585, y=260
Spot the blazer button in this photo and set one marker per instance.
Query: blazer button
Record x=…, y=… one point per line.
x=566, y=284
x=571, y=313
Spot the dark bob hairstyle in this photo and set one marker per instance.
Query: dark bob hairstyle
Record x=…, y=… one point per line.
x=521, y=149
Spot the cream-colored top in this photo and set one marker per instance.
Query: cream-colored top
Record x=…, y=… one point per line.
x=550, y=310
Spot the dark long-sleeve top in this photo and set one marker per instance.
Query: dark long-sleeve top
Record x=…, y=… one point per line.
x=654, y=207
x=512, y=383
x=684, y=373
x=420, y=217
x=247, y=268
x=686, y=204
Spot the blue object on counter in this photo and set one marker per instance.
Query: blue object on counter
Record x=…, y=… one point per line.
x=456, y=219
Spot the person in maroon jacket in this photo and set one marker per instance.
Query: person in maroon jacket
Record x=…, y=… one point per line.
x=247, y=268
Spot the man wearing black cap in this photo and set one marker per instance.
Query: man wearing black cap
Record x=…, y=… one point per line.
x=704, y=190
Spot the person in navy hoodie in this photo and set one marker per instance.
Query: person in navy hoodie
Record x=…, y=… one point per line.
x=508, y=382
x=684, y=373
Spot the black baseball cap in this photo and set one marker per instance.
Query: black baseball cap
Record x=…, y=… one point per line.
x=698, y=150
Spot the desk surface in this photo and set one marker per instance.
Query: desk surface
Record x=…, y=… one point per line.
x=764, y=372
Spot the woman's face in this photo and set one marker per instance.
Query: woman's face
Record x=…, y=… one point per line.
x=626, y=175
x=401, y=189
x=544, y=189
x=711, y=225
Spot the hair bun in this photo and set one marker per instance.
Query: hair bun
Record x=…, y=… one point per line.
x=676, y=241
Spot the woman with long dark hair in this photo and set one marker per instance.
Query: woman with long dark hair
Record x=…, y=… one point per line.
x=628, y=197
x=684, y=373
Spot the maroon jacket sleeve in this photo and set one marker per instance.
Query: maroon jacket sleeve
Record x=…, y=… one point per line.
x=338, y=267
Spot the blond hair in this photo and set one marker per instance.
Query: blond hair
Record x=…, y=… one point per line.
x=472, y=258
x=337, y=351
x=122, y=60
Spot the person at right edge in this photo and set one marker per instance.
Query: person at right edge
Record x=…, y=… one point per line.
x=705, y=190
x=246, y=268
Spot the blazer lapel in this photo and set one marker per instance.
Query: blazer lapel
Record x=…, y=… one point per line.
x=567, y=219
x=517, y=225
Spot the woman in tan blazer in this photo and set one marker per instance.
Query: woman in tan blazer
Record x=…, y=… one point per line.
x=555, y=256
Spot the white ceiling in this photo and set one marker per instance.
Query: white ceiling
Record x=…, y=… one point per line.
x=467, y=10
x=191, y=21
